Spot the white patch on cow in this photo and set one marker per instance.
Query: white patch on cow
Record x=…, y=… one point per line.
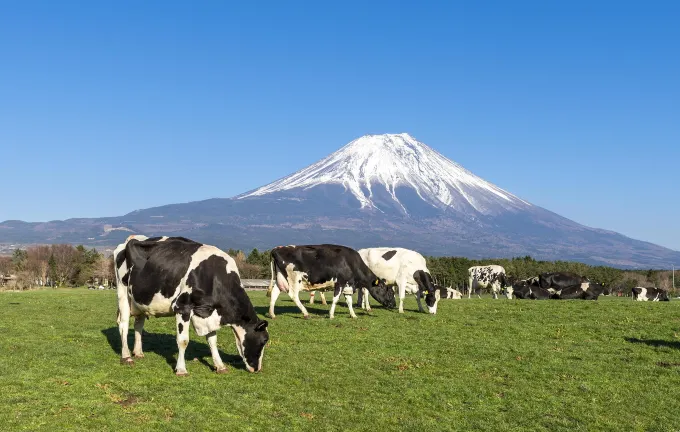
x=585, y=286
x=160, y=305
x=508, y=292
x=643, y=294
x=240, y=335
x=203, y=326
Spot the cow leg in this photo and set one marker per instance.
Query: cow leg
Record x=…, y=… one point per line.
x=124, y=325
x=311, y=297
x=295, y=295
x=139, y=329
x=347, y=291
x=217, y=360
x=365, y=304
x=420, y=305
x=323, y=297
x=402, y=294
x=274, y=295
x=336, y=297
x=183, y=320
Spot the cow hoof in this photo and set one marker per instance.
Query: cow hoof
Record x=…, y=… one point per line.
x=222, y=371
x=182, y=373
x=139, y=356
x=305, y=316
x=127, y=361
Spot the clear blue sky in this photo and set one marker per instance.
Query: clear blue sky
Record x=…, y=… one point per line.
x=108, y=107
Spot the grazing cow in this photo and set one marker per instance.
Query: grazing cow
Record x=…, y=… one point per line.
x=195, y=283
x=649, y=294
x=323, y=267
x=407, y=270
x=492, y=276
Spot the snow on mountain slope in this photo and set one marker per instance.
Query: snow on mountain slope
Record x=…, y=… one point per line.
x=393, y=161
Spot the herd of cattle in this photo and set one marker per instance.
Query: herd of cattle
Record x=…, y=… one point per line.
x=200, y=285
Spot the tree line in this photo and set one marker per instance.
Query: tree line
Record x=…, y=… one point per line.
x=57, y=265
x=66, y=265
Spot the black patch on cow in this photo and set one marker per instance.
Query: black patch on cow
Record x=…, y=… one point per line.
x=521, y=291
x=559, y=280
x=155, y=239
x=388, y=255
x=180, y=328
x=183, y=306
x=538, y=293
x=158, y=267
x=120, y=258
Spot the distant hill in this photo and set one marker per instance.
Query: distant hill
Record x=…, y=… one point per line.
x=377, y=190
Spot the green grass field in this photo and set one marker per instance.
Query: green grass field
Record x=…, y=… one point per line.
x=487, y=365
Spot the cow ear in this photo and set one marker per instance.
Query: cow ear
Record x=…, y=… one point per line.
x=376, y=282
x=261, y=325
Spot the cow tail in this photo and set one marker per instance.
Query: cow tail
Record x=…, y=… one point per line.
x=271, y=282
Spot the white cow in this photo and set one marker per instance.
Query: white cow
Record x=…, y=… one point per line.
x=492, y=276
x=452, y=293
x=405, y=268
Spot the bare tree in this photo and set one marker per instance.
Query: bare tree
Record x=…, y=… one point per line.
x=5, y=265
x=66, y=262
x=37, y=263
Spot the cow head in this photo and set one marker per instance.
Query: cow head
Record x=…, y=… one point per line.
x=382, y=293
x=663, y=295
x=250, y=342
x=432, y=297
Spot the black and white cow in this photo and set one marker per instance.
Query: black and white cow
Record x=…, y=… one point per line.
x=583, y=291
x=489, y=276
x=649, y=294
x=198, y=284
x=323, y=267
x=407, y=270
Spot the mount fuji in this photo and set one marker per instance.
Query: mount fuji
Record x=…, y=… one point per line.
x=377, y=190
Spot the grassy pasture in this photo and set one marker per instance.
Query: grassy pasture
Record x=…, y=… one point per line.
x=487, y=365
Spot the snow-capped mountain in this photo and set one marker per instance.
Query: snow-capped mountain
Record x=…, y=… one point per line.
x=378, y=190
x=391, y=161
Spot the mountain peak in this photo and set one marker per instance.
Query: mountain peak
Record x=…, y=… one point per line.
x=389, y=162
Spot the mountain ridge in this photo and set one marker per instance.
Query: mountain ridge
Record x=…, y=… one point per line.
x=377, y=189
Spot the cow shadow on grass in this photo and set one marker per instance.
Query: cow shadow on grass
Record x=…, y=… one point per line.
x=165, y=345
x=655, y=342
